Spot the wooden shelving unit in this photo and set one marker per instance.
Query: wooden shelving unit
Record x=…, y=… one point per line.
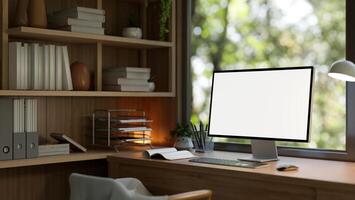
x=34, y=93
x=69, y=112
x=100, y=51
x=73, y=157
x=84, y=38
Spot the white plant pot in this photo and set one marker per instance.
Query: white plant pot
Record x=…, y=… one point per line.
x=151, y=86
x=132, y=32
x=184, y=143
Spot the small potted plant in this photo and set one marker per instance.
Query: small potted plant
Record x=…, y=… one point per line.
x=165, y=11
x=133, y=30
x=183, y=133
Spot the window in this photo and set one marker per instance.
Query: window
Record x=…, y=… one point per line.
x=236, y=34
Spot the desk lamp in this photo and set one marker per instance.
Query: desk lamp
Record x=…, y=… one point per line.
x=343, y=70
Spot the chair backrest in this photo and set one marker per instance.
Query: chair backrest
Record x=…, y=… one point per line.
x=84, y=187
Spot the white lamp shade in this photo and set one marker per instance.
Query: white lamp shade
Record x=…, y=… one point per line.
x=343, y=70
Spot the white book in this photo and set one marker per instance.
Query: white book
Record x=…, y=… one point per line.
x=77, y=15
x=84, y=29
x=72, y=21
x=26, y=67
x=30, y=67
x=22, y=68
x=22, y=115
x=52, y=69
x=18, y=113
x=127, y=88
x=35, y=66
x=15, y=116
x=28, y=115
x=128, y=69
x=123, y=81
x=40, y=154
x=59, y=68
x=35, y=115
x=128, y=75
x=168, y=154
x=40, y=68
x=53, y=149
x=14, y=65
x=46, y=67
x=67, y=80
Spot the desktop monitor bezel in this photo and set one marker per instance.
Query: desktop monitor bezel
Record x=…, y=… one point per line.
x=267, y=69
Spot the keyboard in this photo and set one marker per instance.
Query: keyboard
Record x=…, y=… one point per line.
x=234, y=163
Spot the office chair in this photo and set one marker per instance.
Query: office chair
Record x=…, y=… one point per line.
x=84, y=187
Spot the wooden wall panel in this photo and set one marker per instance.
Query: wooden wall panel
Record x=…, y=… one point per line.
x=59, y=115
x=58, y=5
x=81, y=119
x=117, y=57
x=46, y=182
x=72, y=116
x=118, y=14
x=158, y=61
x=42, y=119
x=164, y=114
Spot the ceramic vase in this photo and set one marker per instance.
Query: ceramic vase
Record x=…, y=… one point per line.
x=21, y=17
x=80, y=76
x=37, y=14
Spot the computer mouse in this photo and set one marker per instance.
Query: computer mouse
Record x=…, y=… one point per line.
x=286, y=167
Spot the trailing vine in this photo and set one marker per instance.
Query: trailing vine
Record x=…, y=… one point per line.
x=165, y=7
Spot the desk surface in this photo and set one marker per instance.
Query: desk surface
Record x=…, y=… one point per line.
x=310, y=171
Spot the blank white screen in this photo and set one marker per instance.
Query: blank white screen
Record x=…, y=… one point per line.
x=261, y=104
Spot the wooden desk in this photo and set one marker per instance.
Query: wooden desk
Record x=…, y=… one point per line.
x=315, y=179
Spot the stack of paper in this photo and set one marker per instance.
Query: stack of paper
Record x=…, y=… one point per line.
x=133, y=79
x=79, y=19
x=33, y=66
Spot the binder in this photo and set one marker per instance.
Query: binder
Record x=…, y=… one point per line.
x=6, y=128
x=19, y=136
x=31, y=129
x=31, y=145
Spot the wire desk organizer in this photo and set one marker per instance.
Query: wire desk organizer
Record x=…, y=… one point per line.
x=118, y=127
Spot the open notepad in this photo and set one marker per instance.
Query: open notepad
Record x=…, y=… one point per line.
x=168, y=154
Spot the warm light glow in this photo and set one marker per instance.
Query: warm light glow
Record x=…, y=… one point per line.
x=146, y=141
x=342, y=77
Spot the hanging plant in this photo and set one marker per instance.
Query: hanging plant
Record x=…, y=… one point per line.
x=165, y=7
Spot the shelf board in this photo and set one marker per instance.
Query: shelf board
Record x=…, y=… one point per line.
x=84, y=38
x=34, y=93
x=73, y=157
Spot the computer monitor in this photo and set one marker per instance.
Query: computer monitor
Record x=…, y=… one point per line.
x=264, y=105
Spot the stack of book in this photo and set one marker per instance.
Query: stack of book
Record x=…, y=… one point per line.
x=79, y=19
x=33, y=66
x=130, y=79
x=53, y=149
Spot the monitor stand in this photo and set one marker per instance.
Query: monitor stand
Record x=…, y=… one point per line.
x=262, y=151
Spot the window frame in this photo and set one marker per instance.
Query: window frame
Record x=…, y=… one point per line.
x=347, y=155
